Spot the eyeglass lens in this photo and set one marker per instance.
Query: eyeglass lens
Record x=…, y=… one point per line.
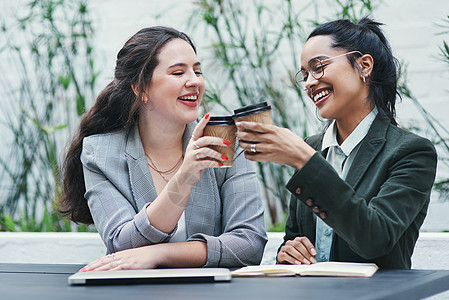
x=315, y=69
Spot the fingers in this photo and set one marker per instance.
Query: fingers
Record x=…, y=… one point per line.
x=109, y=262
x=246, y=131
x=114, y=265
x=207, y=153
x=253, y=137
x=104, y=263
x=206, y=141
x=297, y=251
x=200, y=151
x=199, y=128
x=252, y=147
x=307, y=243
x=199, y=148
x=252, y=127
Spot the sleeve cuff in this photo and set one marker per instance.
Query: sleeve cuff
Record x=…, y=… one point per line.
x=148, y=231
x=213, y=248
x=310, y=173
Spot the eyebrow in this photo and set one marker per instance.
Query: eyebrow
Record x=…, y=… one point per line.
x=320, y=57
x=183, y=65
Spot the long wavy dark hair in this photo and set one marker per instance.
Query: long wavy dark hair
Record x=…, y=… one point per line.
x=367, y=37
x=117, y=106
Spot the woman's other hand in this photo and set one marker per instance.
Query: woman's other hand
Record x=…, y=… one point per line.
x=297, y=251
x=136, y=258
x=270, y=143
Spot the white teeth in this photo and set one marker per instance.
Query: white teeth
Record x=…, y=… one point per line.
x=189, y=98
x=320, y=95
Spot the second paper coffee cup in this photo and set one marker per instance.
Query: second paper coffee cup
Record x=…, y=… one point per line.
x=260, y=113
x=222, y=127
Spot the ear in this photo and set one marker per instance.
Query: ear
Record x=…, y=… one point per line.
x=366, y=63
x=136, y=92
x=134, y=87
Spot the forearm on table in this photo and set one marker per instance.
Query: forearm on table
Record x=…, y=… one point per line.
x=186, y=254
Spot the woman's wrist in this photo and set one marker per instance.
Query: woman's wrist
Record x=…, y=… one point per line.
x=303, y=155
x=186, y=254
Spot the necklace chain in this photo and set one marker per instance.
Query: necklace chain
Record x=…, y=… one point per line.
x=152, y=165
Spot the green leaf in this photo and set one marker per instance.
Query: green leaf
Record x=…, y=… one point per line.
x=80, y=105
x=8, y=223
x=50, y=129
x=65, y=81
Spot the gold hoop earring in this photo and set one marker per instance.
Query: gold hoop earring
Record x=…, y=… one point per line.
x=144, y=98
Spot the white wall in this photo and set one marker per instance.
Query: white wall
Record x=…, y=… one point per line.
x=82, y=248
x=411, y=26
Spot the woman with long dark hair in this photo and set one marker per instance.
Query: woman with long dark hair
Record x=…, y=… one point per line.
x=140, y=168
x=362, y=187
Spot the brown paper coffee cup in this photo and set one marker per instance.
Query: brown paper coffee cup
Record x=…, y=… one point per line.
x=260, y=113
x=222, y=127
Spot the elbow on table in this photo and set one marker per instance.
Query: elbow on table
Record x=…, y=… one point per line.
x=254, y=252
x=257, y=256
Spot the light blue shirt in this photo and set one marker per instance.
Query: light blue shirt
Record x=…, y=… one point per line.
x=341, y=158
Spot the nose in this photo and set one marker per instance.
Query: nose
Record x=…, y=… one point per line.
x=193, y=80
x=310, y=82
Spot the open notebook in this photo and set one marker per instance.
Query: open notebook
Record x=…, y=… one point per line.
x=150, y=276
x=346, y=269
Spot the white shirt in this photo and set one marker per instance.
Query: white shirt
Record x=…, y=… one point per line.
x=180, y=234
x=341, y=158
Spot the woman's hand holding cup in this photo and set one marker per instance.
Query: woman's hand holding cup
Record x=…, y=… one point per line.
x=199, y=156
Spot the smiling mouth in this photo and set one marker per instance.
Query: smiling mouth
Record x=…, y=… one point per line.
x=189, y=98
x=320, y=95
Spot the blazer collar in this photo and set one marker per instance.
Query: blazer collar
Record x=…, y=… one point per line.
x=141, y=182
x=370, y=147
x=134, y=147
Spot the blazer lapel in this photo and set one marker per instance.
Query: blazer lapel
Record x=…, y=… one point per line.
x=143, y=188
x=141, y=182
x=369, y=149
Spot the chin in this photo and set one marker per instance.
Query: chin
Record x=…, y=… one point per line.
x=322, y=114
x=190, y=117
x=325, y=114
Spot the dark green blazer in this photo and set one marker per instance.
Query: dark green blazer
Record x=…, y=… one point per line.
x=377, y=211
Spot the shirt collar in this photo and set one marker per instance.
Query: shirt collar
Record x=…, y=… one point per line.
x=356, y=136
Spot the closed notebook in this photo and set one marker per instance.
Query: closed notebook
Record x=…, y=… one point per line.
x=150, y=276
x=319, y=269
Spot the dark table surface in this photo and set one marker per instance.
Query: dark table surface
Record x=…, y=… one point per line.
x=47, y=281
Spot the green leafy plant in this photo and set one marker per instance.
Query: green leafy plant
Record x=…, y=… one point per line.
x=441, y=134
x=256, y=52
x=49, y=54
x=49, y=78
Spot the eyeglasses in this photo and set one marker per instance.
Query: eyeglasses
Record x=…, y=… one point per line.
x=316, y=68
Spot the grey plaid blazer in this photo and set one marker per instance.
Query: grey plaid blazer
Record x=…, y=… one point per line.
x=224, y=209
